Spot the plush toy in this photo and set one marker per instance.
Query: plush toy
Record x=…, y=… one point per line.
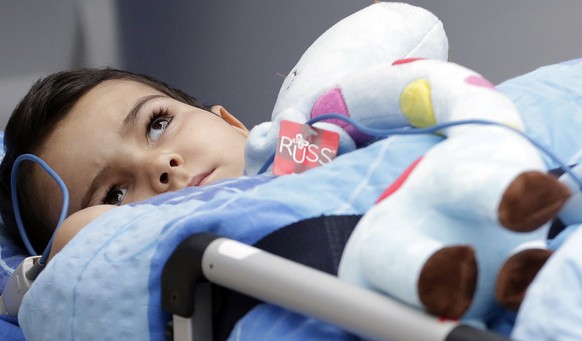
x=462, y=230
x=457, y=229
x=324, y=79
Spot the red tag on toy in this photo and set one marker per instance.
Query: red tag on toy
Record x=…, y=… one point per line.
x=301, y=147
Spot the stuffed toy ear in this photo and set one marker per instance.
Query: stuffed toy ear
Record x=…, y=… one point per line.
x=380, y=33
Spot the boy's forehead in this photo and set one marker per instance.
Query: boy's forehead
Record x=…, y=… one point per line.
x=121, y=91
x=99, y=102
x=111, y=99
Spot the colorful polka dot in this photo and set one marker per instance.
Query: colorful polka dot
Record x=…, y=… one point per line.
x=332, y=102
x=416, y=105
x=479, y=81
x=406, y=61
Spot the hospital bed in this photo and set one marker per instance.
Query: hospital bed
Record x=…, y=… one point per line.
x=188, y=246
x=52, y=297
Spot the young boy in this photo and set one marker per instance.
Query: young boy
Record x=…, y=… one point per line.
x=114, y=137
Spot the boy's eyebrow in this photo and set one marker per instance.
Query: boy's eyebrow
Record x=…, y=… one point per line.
x=95, y=184
x=131, y=117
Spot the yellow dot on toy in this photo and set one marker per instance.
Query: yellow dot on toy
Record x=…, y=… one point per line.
x=416, y=105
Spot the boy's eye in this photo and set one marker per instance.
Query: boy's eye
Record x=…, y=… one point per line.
x=157, y=125
x=114, y=196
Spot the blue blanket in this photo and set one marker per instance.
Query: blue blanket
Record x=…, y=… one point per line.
x=111, y=270
x=106, y=281
x=552, y=309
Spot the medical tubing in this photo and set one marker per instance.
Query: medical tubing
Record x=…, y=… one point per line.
x=35, y=270
x=374, y=132
x=16, y=205
x=267, y=164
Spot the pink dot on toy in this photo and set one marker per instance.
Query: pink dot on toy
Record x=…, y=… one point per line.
x=332, y=101
x=406, y=61
x=479, y=81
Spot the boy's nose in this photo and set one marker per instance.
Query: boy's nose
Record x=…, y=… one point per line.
x=164, y=177
x=167, y=173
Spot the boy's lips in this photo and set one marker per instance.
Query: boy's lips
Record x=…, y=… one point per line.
x=200, y=179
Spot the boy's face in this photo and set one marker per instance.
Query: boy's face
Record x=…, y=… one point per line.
x=124, y=142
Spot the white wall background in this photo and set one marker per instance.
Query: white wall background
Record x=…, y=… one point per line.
x=233, y=52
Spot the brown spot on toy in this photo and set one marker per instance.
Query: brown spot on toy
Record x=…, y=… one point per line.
x=531, y=200
x=448, y=280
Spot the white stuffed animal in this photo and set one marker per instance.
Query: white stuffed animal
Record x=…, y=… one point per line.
x=325, y=78
x=468, y=210
x=463, y=230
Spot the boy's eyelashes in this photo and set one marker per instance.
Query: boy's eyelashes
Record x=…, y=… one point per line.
x=157, y=123
x=114, y=195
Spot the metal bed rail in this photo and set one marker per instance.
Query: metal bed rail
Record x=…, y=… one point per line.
x=207, y=258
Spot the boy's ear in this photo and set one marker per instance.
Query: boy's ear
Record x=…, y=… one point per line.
x=228, y=117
